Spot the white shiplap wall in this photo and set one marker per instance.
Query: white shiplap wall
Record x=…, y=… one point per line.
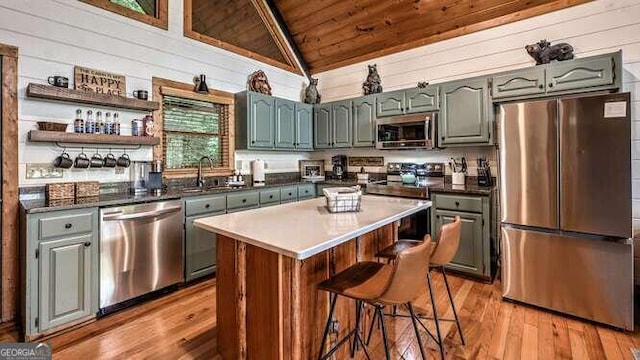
x=594, y=28
x=55, y=35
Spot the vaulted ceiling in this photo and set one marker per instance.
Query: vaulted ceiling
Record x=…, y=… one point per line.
x=328, y=34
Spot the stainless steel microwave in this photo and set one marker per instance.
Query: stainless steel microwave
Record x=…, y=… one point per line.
x=416, y=131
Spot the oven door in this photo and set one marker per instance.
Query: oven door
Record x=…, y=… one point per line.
x=415, y=226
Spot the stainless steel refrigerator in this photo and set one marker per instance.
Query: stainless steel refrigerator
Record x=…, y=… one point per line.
x=565, y=197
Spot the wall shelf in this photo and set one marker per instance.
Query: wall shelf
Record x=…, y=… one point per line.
x=91, y=139
x=49, y=92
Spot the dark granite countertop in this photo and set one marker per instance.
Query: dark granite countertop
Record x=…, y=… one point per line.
x=125, y=198
x=468, y=189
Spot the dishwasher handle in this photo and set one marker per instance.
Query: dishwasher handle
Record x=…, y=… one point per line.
x=116, y=216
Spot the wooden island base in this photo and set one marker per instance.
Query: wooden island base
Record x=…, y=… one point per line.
x=268, y=306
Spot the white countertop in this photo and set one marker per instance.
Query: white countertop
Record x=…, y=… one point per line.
x=305, y=228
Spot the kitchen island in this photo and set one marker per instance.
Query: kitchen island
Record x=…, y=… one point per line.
x=269, y=261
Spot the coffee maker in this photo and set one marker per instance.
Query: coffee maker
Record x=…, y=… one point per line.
x=146, y=177
x=339, y=163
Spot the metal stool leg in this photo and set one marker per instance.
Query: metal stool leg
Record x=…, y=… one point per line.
x=326, y=328
x=384, y=333
x=435, y=315
x=373, y=321
x=453, y=306
x=415, y=328
x=354, y=345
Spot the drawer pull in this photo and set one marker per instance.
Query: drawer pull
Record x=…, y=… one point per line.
x=289, y=194
x=244, y=200
x=457, y=204
x=207, y=206
x=68, y=226
x=541, y=86
x=87, y=244
x=550, y=84
x=270, y=196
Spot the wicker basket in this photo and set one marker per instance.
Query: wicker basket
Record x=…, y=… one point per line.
x=343, y=199
x=60, y=191
x=87, y=188
x=52, y=126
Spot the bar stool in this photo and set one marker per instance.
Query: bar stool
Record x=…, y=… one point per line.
x=379, y=285
x=445, y=250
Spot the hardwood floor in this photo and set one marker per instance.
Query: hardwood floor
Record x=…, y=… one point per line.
x=182, y=326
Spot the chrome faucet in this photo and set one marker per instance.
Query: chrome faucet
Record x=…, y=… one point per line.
x=200, y=176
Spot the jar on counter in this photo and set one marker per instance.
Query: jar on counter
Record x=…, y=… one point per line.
x=137, y=127
x=89, y=124
x=78, y=124
x=99, y=123
x=115, y=130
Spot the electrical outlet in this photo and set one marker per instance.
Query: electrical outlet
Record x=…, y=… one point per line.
x=43, y=171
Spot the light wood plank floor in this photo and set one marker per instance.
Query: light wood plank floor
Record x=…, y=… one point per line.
x=182, y=326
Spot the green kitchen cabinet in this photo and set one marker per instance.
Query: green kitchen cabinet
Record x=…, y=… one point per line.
x=304, y=126
x=200, y=245
x=285, y=124
x=59, y=260
x=332, y=125
x=466, y=113
x=474, y=251
x=322, y=126
x=242, y=200
x=341, y=124
x=269, y=197
x=595, y=73
x=265, y=122
x=364, y=121
x=66, y=280
x=408, y=101
x=519, y=83
x=306, y=191
x=581, y=74
x=390, y=104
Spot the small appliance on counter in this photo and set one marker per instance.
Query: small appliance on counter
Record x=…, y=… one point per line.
x=484, y=172
x=257, y=172
x=236, y=180
x=311, y=170
x=458, y=171
x=146, y=177
x=339, y=169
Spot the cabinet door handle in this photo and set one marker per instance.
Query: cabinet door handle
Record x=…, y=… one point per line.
x=550, y=84
x=207, y=206
x=68, y=226
x=541, y=86
x=437, y=216
x=87, y=244
x=442, y=138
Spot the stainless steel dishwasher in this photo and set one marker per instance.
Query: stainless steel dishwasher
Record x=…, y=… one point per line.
x=141, y=251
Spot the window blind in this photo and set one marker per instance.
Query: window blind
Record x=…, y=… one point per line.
x=192, y=129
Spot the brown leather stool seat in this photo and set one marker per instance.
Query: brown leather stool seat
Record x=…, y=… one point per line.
x=445, y=250
x=378, y=284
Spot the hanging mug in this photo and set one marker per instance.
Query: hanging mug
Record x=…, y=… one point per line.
x=109, y=160
x=123, y=160
x=141, y=94
x=96, y=160
x=82, y=161
x=63, y=161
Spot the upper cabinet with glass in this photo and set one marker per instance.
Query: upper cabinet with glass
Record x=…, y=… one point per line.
x=152, y=12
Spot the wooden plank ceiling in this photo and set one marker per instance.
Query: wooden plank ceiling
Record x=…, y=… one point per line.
x=334, y=33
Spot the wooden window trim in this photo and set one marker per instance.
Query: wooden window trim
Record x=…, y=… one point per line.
x=163, y=87
x=10, y=203
x=161, y=20
x=266, y=17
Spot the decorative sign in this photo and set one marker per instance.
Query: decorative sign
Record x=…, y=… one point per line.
x=99, y=82
x=366, y=161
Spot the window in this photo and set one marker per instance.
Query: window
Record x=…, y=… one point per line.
x=152, y=12
x=192, y=125
x=192, y=129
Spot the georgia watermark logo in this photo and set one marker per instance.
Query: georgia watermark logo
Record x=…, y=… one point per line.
x=25, y=351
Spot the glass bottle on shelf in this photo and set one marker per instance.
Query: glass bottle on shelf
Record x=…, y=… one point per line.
x=108, y=124
x=116, y=124
x=99, y=123
x=78, y=124
x=90, y=124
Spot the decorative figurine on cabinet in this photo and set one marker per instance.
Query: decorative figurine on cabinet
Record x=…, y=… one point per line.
x=373, y=83
x=543, y=52
x=258, y=82
x=423, y=84
x=311, y=94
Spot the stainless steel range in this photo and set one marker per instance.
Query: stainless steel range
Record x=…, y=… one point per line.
x=409, y=180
